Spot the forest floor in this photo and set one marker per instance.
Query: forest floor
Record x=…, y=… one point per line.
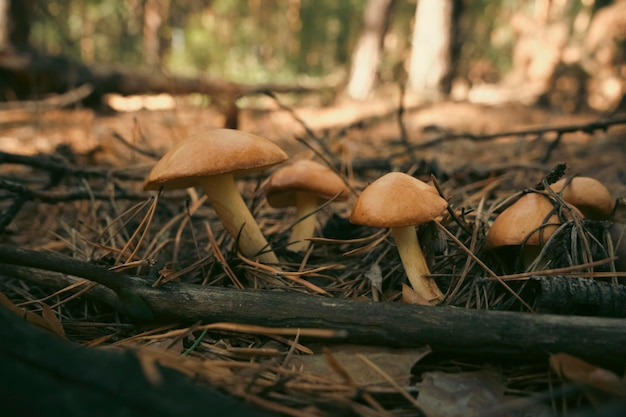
x=480, y=156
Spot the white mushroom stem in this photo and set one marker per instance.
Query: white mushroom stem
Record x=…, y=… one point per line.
x=415, y=264
x=306, y=203
x=222, y=193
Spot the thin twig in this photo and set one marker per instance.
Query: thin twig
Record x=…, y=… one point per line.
x=484, y=266
x=588, y=128
x=135, y=148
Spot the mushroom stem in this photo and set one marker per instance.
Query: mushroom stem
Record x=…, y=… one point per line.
x=530, y=253
x=415, y=264
x=222, y=193
x=306, y=204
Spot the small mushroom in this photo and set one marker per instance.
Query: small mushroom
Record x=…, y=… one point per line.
x=530, y=221
x=588, y=195
x=306, y=185
x=401, y=202
x=211, y=160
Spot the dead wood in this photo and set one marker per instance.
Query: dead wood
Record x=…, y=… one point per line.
x=588, y=127
x=59, y=167
x=575, y=295
x=54, y=102
x=40, y=372
x=28, y=75
x=53, y=197
x=445, y=329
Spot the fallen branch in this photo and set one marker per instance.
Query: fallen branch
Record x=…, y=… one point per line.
x=58, y=167
x=30, y=74
x=53, y=197
x=55, y=102
x=588, y=128
x=558, y=294
x=447, y=329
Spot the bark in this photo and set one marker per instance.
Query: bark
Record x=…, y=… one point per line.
x=490, y=334
x=583, y=296
x=367, y=53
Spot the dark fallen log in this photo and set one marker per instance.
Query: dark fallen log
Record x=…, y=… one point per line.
x=28, y=75
x=445, y=329
x=574, y=295
x=41, y=374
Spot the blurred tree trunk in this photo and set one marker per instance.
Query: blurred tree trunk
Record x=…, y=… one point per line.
x=4, y=25
x=151, y=24
x=604, y=60
x=14, y=24
x=432, y=54
x=368, y=51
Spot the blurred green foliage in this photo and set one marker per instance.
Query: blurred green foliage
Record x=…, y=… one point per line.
x=258, y=40
x=240, y=40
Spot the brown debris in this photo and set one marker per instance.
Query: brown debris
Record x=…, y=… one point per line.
x=78, y=206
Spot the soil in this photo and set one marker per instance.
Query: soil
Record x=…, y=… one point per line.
x=373, y=130
x=459, y=143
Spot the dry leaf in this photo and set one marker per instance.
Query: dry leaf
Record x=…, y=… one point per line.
x=396, y=363
x=576, y=370
x=463, y=394
x=35, y=319
x=150, y=369
x=100, y=340
x=375, y=276
x=410, y=296
x=51, y=317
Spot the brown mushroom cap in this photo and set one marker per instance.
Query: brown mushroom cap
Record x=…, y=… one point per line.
x=519, y=220
x=307, y=176
x=397, y=200
x=216, y=151
x=588, y=195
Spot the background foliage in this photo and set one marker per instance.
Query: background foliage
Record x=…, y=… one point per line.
x=267, y=40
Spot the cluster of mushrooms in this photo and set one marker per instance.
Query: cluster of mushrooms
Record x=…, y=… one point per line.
x=397, y=201
x=532, y=219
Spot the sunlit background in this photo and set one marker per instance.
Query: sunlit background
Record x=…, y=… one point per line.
x=263, y=40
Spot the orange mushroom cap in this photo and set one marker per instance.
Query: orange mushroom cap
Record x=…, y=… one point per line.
x=304, y=176
x=530, y=219
x=588, y=195
x=397, y=200
x=216, y=151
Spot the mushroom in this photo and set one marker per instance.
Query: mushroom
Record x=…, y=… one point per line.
x=306, y=185
x=401, y=202
x=211, y=160
x=530, y=221
x=588, y=195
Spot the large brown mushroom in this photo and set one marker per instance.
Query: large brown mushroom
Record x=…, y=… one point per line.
x=401, y=202
x=211, y=160
x=530, y=222
x=306, y=185
x=588, y=195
